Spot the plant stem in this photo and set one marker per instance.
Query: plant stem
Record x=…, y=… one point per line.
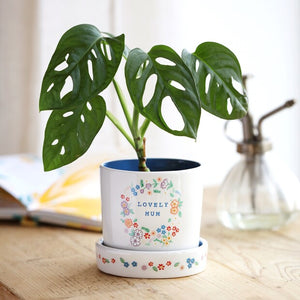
x=139, y=141
x=116, y=122
x=144, y=127
x=123, y=103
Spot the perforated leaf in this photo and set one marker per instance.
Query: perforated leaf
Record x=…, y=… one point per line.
x=218, y=78
x=88, y=60
x=139, y=68
x=69, y=132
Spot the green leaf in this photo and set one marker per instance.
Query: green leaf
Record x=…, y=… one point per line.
x=122, y=260
x=155, y=269
x=215, y=69
x=79, y=47
x=69, y=132
x=146, y=229
x=176, y=264
x=138, y=69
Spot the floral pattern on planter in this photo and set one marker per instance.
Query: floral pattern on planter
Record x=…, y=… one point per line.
x=140, y=234
x=189, y=263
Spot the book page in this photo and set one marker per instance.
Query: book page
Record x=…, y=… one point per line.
x=22, y=175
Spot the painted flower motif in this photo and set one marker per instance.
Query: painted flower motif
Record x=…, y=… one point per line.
x=189, y=266
x=128, y=223
x=135, y=225
x=149, y=193
x=126, y=264
x=124, y=204
x=126, y=211
x=148, y=186
x=164, y=183
x=173, y=233
x=150, y=264
x=161, y=267
x=163, y=226
x=153, y=232
x=132, y=190
x=158, y=230
x=142, y=191
x=177, y=229
x=147, y=235
x=134, y=263
x=138, y=233
x=137, y=187
x=113, y=260
x=169, y=238
x=127, y=199
x=103, y=260
x=168, y=263
x=122, y=196
x=135, y=241
x=174, y=203
x=169, y=228
x=159, y=179
x=182, y=267
x=174, y=228
x=144, y=267
x=174, y=210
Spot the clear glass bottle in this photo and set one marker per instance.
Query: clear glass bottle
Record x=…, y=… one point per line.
x=259, y=192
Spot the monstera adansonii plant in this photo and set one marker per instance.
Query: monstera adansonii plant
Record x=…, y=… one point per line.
x=89, y=59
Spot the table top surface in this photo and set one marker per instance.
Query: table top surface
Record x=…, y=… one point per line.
x=59, y=263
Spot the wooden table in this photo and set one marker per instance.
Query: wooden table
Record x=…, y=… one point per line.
x=58, y=263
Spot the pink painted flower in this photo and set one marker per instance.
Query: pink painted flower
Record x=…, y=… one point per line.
x=144, y=267
x=127, y=199
x=122, y=196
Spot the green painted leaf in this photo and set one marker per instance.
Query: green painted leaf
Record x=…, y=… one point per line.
x=186, y=100
x=216, y=70
x=122, y=260
x=156, y=191
x=176, y=264
x=142, y=183
x=146, y=229
x=180, y=214
x=79, y=47
x=155, y=269
x=69, y=132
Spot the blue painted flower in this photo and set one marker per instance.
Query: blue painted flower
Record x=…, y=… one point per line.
x=188, y=260
x=189, y=266
x=192, y=260
x=126, y=264
x=133, y=190
x=137, y=187
x=158, y=230
x=163, y=226
x=135, y=194
x=163, y=232
x=134, y=263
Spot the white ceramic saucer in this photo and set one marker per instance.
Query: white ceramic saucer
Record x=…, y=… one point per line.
x=151, y=264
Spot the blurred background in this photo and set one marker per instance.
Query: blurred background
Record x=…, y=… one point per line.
x=264, y=35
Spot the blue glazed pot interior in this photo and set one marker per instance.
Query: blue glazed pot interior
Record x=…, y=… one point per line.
x=154, y=164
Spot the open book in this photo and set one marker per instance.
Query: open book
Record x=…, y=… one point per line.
x=58, y=197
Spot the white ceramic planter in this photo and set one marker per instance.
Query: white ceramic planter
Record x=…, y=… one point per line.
x=153, y=210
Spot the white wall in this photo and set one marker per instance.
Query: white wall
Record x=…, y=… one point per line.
x=264, y=34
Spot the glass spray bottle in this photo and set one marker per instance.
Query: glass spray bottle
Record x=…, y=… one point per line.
x=258, y=192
